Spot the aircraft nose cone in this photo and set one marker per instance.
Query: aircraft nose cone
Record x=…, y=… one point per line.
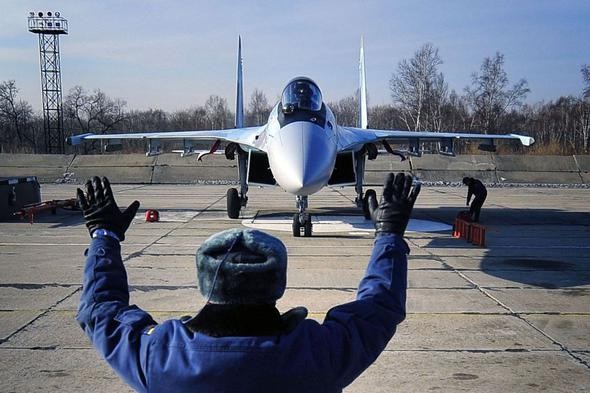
x=302, y=158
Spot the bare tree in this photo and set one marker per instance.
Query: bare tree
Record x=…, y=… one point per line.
x=419, y=89
x=346, y=110
x=16, y=118
x=584, y=109
x=436, y=99
x=93, y=112
x=189, y=119
x=148, y=120
x=96, y=112
x=489, y=97
x=385, y=117
x=455, y=113
x=218, y=113
x=258, y=109
x=586, y=76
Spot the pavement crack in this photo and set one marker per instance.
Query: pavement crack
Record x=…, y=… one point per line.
x=47, y=348
x=517, y=315
x=44, y=313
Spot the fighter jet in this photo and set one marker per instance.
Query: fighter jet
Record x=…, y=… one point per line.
x=301, y=148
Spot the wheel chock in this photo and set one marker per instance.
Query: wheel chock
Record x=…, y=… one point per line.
x=470, y=231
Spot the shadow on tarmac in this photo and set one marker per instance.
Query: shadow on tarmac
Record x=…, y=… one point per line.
x=544, y=248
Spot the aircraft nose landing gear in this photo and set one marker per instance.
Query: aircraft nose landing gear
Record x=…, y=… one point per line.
x=302, y=220
x=298, y=225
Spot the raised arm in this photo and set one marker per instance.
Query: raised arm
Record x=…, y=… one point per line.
x=359, y=331
x=115, y=328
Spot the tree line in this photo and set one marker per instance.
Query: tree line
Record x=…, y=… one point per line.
x=421, y=101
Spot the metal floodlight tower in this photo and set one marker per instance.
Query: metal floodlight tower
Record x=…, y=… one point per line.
x=49, y=26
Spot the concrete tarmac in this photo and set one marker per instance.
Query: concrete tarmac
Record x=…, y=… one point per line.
x=511, y=317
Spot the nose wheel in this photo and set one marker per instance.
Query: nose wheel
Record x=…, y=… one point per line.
x=302, y=224
x=302, y=220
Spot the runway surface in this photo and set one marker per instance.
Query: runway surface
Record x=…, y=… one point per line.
x=514, y=316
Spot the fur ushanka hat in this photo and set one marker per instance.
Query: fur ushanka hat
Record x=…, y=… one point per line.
x=242, y=266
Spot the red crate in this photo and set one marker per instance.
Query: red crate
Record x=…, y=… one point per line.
x=461, y=229
x=478, y=235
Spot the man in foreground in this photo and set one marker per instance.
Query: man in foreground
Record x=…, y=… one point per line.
x=239, y=342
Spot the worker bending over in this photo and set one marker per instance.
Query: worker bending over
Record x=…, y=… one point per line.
x=479, y=191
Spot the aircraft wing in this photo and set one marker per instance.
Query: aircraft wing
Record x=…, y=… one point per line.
x=350, y=137
x=248, y=136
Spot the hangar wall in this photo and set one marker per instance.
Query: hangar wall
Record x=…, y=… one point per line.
x=171, y=168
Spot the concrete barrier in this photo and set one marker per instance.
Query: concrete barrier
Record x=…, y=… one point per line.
x=537, y=169
x=119, y=168
x=46, y=167
x=444, y=168
x=211, y=160
x=171, y=168
x=539, y=177
x=193, y=174
x=583, y=163
x=511, y=163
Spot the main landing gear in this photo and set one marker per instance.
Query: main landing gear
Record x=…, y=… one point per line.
x=361, y=200
x=302, y=220
x=365, y=204
x=235, y=200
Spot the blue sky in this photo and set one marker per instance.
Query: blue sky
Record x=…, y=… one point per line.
x=174, y=54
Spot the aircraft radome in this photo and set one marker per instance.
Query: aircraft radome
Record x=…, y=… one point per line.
x=301, y=148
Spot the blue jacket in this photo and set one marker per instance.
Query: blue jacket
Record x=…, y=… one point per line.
x=313, y=357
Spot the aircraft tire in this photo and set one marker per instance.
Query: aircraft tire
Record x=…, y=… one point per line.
x=233, y=203
x=296, y=226
x=366, y=211
x=307, y=227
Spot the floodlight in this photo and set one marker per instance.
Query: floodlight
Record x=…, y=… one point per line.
x=49, y=26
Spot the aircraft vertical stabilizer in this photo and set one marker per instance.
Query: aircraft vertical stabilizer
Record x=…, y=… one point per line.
x=362, y=121
x=240, y=89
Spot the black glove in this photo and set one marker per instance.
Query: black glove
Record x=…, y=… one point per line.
x=100, y=209
x=392, y=214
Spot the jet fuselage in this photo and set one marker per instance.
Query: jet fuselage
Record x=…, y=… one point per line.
x=301, y=148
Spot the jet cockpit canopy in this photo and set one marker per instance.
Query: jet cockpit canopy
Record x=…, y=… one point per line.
x=301, y=94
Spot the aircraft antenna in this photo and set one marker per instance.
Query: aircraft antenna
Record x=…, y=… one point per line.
x=49, y=26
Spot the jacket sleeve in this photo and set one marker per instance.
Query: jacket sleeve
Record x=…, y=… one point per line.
x=115, y=328
x=358, y=332
x=469, y=193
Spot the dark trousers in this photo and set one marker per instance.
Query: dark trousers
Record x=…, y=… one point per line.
x=475, y=208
